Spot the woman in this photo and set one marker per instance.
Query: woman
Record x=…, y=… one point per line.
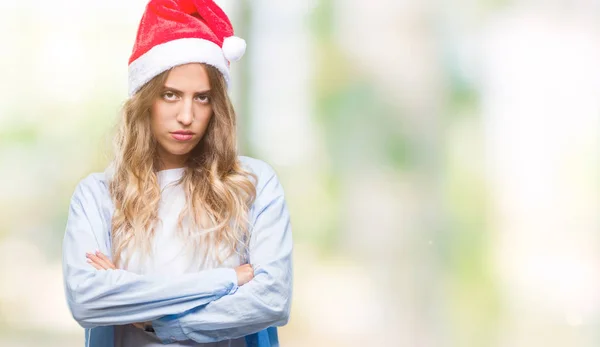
x=180, y=241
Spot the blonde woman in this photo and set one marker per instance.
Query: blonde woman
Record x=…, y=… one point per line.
x=179, y=241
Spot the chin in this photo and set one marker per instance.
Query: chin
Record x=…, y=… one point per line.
x=179, y=151
x=182, y=149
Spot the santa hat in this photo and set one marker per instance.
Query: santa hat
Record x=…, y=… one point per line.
x=177, y=32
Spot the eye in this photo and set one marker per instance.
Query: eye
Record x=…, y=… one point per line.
x=203, y=99
x=169, y=96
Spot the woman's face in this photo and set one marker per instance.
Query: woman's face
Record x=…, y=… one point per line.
x=181, y=113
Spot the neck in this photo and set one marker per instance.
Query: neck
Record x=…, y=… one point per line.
x=169, y=161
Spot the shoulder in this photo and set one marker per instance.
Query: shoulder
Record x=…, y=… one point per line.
x=261, y=169
x=93, y=188
x=91, y=200
x=256, y=166
x=267, y=179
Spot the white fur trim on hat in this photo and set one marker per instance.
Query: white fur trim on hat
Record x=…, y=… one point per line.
x=162, y=57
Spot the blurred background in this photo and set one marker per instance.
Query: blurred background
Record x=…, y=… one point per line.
x=440, y=160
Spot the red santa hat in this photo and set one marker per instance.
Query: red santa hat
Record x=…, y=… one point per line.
x=177, y=32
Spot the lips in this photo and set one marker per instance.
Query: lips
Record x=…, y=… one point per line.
x=182, y=135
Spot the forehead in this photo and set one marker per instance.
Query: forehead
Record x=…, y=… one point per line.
x=188, y=77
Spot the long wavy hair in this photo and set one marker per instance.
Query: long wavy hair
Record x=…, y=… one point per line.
x=219, y=192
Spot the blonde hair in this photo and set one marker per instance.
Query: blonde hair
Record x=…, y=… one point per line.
x=219, y=192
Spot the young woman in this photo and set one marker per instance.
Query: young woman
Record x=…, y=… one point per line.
x=180, y=241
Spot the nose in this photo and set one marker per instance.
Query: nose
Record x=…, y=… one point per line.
x=185, y=116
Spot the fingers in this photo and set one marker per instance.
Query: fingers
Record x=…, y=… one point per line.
x=96, y=262
x=245, y=273
x=250, y=270
x=91, y=262
x=99, y=260
x=106, y=260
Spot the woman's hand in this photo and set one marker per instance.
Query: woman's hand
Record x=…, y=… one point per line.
x=245, y=273
x=139, y=325
x=100, y=261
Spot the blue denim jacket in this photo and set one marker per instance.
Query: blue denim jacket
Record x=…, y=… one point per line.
x=205, y=306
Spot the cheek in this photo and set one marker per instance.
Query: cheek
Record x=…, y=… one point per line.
x=158, y=114
x=204, y=115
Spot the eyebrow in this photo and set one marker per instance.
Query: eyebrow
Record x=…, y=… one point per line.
x=180, y=92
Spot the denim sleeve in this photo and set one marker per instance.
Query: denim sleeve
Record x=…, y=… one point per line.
x=116, y=297
x=263, y=302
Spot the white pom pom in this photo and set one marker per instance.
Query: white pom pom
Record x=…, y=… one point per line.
x=234, y=48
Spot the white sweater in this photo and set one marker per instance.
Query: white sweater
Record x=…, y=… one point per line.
x=169, y=257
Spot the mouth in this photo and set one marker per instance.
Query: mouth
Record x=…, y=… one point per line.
x=182, y=135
